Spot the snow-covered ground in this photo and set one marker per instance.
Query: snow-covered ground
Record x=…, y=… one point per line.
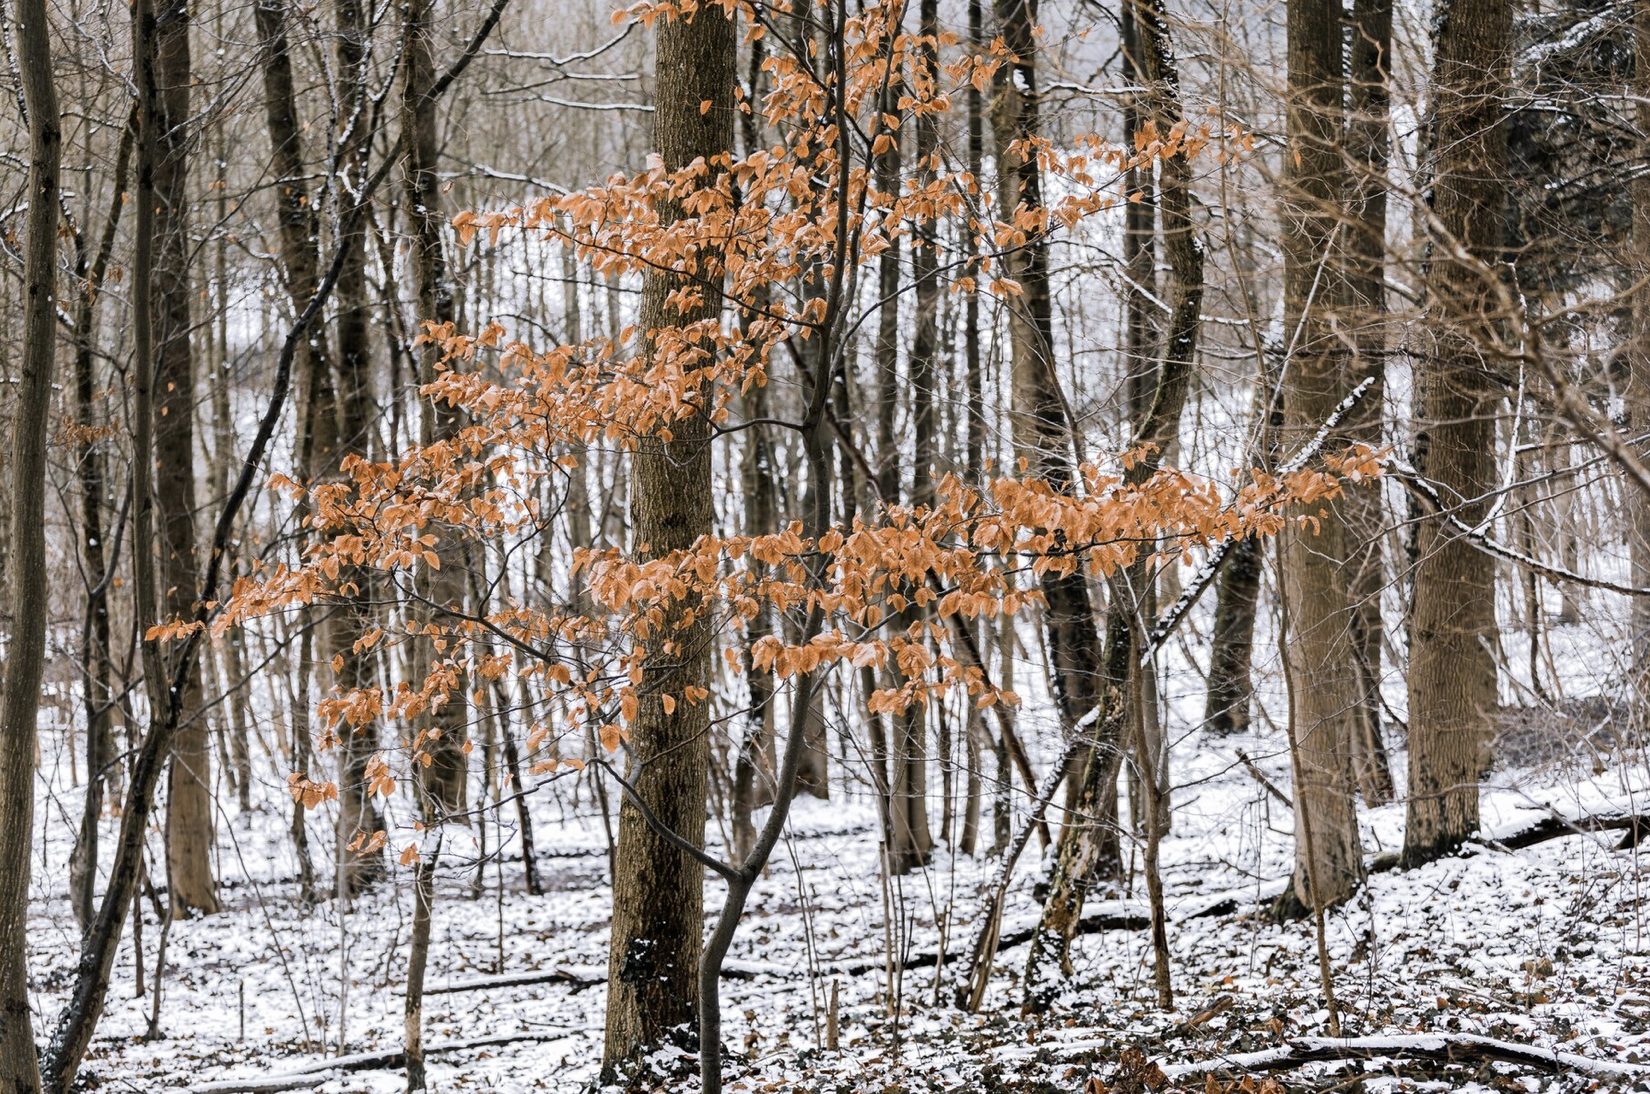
x=1544, y=946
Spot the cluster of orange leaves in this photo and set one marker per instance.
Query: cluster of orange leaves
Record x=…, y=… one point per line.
x=739, y=226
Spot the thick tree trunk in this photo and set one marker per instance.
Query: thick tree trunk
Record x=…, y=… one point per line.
x=1326, y=697
x=658, y=891
x=189, y=789
x=26, y=567
x=1452, y=680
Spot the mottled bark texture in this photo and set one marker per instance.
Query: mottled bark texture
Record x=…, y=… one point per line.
x=1452, y=678
x=441, y=783
x=658, y=891
x=1325, y=693
x=358, y=816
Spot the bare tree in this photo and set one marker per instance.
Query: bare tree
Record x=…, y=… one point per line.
x=26, y=566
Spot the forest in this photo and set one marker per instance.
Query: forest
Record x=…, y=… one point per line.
x=887, y=546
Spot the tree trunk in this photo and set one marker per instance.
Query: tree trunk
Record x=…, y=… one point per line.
x=189, y=789
x=316, y=416
x=1638, y=389
x=358, y=816
x=441, y=781
x=26, y=566
x=1081, y=848
x=97, y=652
x=658, y=891
x=1325, y=694
x=911, y=843
x=1452, y=680
x=1363, y=509
x=1231, y=686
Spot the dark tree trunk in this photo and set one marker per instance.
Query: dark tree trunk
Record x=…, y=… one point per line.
x=358, y=816
x=1367, y=130
x=193, y=889
x=910, y=842
x=97, y=665
x=26, y=566
x=1081, y=851
x=658, y=891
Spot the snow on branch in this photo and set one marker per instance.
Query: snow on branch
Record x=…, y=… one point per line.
x=1206, y=573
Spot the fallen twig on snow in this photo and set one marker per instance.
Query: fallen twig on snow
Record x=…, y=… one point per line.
x=321, y=1071
x=1442, y=1047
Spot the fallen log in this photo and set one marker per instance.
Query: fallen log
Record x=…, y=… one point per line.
x=1455, y=1048
x=1635, y=826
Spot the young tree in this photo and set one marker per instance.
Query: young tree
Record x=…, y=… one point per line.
x=1083, y=840
x=26, y=566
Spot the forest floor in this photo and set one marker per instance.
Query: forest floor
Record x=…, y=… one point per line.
x=1540, y=946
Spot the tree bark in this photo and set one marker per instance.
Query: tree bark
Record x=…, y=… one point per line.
x=911, y=842
x=658, y=891
x=358, y=816
x=193, y=889
x=1319, y=647
x=26, y=566
x=1082, y=847
x=1638, y=388
x=1369, y=98
x=441, y=766
x=1452, y=681
x=97, y=652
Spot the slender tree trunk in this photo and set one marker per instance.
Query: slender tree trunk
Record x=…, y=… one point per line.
x=97, y=664
x=1638, y=390
x=26, y=567
x=754, y=766
x=911, y=843
x=316, y=415
x=358, y=816
x=189, y=795
x=1320, y=647
x=100, y=942
x=441, y=768
x=658, y=891
x=1363, y=509
x=1231, y=687
x=1452, y=680
x=1081, y=850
